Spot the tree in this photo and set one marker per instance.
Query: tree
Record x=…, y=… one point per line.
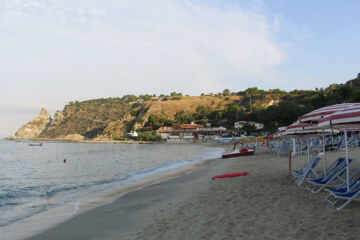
x=181, y=117
x=202, y=112
x=129, y=98
x=174, y=94
x=145, y=97
x=155, y=122
x=231, y=114
x=226, y=92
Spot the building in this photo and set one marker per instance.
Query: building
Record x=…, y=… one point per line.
x=240, y=124
x=179, y=132
x=188, y=132
x=204, y=133
x=133, y=134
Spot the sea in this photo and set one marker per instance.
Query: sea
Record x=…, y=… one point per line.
x=36, y=179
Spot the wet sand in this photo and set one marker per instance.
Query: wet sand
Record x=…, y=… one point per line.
x=266, y=204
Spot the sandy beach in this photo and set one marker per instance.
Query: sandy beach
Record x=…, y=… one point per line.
x=267, y=204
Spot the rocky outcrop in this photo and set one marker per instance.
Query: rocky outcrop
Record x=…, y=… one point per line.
x=58, y=117
x=74, y=137
x=35, y=127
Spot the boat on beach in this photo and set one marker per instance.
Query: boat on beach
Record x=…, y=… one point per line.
x=238, y=152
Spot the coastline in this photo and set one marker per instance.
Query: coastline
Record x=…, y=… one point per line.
x=53, y=217
x=267, y=204
x=79, y=141
x=133, y=208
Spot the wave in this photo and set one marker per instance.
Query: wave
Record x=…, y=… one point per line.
x=23, y=202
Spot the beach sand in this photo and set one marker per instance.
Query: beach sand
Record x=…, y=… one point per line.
x=267, y=204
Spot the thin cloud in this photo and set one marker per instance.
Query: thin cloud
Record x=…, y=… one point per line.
x=138, y=44
x=77, y=50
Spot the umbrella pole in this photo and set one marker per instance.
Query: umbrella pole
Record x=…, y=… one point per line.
x=347, y=160
x=308, y=148
x=298, y=152
x=293, y=140
x=323, y=133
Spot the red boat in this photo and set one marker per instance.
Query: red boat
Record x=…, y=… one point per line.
x=245, y=151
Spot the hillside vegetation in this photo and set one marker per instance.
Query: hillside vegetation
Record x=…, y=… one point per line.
x=112, y=118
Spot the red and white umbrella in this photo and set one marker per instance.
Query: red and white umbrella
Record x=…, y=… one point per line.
x=279, y=134
x=318, y=114
x=348, y=118
x=306, y=129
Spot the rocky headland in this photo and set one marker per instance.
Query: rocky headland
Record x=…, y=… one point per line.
x=111, y=119
x=35, y=127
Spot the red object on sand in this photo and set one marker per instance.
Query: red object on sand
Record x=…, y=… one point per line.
x=229, y=175
x=245, y=151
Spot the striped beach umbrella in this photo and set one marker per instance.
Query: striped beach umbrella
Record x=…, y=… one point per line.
x=347, y=118
x=298, y=129
x=318, y=114
x=344, y=119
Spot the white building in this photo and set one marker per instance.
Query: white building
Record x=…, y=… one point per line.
x=240, y=124
x=133, y=134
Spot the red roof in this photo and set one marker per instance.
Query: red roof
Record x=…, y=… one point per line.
x=188, y=126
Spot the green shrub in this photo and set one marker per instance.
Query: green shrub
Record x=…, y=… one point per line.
x=148, y=136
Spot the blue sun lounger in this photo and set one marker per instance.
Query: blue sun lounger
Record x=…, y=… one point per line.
x=307, y=170
x=333, y=176
x=341, y=192
x=349, y=196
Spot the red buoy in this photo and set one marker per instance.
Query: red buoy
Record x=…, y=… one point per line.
x=64, y=160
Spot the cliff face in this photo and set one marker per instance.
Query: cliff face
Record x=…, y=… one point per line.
x=35, y=127
x=112, y=118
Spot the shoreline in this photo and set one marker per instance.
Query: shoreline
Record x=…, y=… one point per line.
x=40, y=222
x=62, y=140
x=143, y=198
x=266, y=204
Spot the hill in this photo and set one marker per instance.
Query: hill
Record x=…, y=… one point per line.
x=113, y=118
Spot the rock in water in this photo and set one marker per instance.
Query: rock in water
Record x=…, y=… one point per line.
x=35, y=127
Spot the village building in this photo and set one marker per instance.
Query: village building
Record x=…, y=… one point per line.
x=133, y=134
x=241, y=124
x=179, y=132
x=188, y=132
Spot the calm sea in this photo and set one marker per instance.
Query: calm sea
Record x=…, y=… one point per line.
x=35, y=179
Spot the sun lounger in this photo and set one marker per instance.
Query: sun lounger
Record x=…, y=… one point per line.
x=342, y=189
x=333, y=176
x=352, y=195
x=307, y=171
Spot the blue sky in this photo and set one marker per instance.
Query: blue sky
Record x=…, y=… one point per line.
x=53, y=52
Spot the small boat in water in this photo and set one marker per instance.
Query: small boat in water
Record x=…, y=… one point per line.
x=245, y=151
x=35, y=144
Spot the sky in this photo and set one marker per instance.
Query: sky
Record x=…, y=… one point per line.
x=56, y=51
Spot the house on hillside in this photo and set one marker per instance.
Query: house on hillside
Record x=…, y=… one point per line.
x=133, y=134
x=179, y=132
x=204, y=133
x=240, y=124
x=188, y=132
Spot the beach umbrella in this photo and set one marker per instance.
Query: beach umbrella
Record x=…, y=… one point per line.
x=316, y=115
x=311, y=120
x=348, y=118
x=306, y=129
x=345, y=119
